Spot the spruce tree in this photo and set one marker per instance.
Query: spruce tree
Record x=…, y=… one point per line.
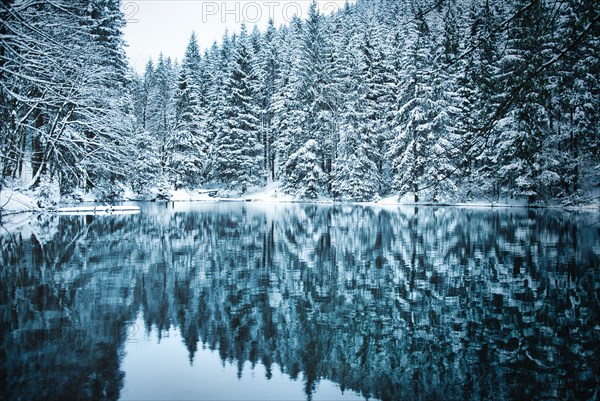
x=289, y=111
x=356, y=173
x=303, y=169
x=238, y=148
x=161, y=116
x=188, y=146
x=523, y=128
x=268, y=65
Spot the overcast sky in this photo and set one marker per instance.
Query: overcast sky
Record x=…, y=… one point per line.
x=155, y=26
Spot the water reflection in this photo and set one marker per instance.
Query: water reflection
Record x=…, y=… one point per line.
x=208, y=377
x=429, y=303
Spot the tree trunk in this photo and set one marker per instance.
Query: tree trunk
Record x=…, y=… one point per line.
x=37, y=151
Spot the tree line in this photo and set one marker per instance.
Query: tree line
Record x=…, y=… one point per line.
x=444, y=100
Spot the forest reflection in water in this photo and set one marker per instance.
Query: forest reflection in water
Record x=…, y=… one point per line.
x=393, y=303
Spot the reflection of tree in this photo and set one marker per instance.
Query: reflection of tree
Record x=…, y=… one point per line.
x=63, y=312
x=396, y=304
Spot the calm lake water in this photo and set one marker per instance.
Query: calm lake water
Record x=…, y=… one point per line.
x=238, y=301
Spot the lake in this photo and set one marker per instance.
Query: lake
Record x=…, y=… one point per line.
x=236, y=301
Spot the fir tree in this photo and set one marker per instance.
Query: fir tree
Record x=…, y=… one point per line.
x=289, y=112
x=161, y=115
x=303, y=169
x=188, y=145
x=238, y=162
x=268, y=63
x=523, y=128
x=356, y=174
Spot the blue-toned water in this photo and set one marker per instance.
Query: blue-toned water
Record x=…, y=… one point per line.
x=237, y=301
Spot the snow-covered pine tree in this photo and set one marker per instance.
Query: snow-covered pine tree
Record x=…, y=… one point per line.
x=525, y=124
x=414, y=150
x=574, y=145
x=188, y=145
x=338, y=36
x=289, y=112
x=144, y=165
x=356, y=174
x=303, y=171
x=477, y=90
x=148, y=84
x=268, y=63
x=316, y=86
x=303, y=101
x=217, y=66
x=139, y=100
x=380, y=96
x=444, y=157
x=161, y=116
x=238, y=150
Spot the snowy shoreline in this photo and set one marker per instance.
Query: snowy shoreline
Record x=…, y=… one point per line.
x=17, y=202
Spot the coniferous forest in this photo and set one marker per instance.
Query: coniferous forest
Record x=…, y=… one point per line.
x=435, y=100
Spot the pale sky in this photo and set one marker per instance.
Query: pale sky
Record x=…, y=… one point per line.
x=155, y=26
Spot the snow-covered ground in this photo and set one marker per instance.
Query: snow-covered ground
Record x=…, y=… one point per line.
x=15, y=202
x=270, y=193
x=274, y=193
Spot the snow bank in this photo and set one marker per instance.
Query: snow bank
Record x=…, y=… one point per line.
x=271, y=193
x=12, y=202
x=184, y=195
x=15, y=202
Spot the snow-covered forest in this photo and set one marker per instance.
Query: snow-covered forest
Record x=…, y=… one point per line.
x=435, y=100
